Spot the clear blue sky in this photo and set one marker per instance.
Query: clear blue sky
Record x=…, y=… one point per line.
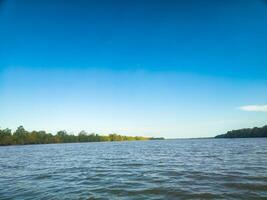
x=184, y=68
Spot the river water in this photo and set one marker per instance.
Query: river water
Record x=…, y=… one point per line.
x=168, y=169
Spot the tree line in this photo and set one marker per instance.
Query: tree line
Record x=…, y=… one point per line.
x=245, y=133
x=21, y=137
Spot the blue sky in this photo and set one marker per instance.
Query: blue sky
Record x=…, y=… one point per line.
x=156, y=68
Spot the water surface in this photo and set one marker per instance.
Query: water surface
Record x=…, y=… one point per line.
x=169, y=169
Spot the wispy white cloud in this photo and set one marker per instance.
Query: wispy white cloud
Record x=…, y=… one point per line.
x=254, y=108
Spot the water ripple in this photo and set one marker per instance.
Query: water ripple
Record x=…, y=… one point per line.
x=170, y=169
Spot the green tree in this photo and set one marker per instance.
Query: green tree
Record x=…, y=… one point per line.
x=20, y=135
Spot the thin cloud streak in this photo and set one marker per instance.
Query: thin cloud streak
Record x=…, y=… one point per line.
x=254, y=108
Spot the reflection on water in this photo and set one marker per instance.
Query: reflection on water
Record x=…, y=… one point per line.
x=169, y=169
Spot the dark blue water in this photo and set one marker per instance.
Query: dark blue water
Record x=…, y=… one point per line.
x=170, y=169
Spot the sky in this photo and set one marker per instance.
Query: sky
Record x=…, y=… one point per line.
x=173, y=69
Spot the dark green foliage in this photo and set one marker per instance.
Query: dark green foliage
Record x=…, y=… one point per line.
x=21, y=136
x=156, y=138
x=245, y=133
x=6, y=137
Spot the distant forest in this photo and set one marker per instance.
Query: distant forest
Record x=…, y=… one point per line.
x=22, y=136
x=245, y=133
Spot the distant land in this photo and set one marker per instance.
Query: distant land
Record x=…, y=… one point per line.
x=23, y=137
x=245, y=133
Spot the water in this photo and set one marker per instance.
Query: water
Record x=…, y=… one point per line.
x=170, y=169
